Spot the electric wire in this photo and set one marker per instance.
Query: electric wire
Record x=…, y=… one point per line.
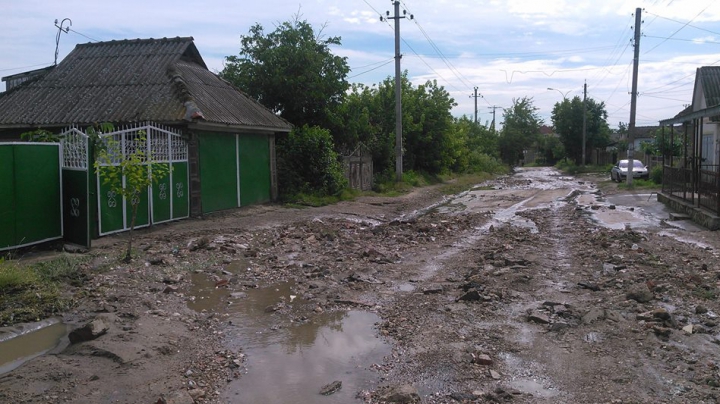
x=679, y=29
x=81, y=34
x=374, y=68
x=680, y=22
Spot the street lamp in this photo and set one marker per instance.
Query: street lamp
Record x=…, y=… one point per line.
x=564, y=95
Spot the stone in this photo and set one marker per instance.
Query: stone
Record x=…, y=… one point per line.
x=176, y=397
x=495, y=375
x=589, y=285
x=640, y=293
x=471, y=296
x=662, y=332
x=688, y=329
x=482, y=359
x=700, y=309
x=433, y=289
x=539, y=318
x=559, y=326
x=661, y=314
x=404, y=394
x=89, y=331
x=195, y=394
x=170, y=289
x=593, y=315
x=331, y=388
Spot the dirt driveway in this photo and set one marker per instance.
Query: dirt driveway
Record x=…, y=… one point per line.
x=532, y=288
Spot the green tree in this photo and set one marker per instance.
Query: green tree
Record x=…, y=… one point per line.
x=567, y=118
x=129, y=174
x=521, y=129
x=663, y=145
x=307, y=163
x=427, y=129
x=291, y=70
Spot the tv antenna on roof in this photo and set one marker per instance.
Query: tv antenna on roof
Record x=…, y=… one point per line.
x=57, y=37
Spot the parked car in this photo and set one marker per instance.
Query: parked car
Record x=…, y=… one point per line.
x=619, y=171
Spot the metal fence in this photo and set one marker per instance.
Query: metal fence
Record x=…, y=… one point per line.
x=30, y=206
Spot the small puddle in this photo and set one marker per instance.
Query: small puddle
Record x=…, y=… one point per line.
x=204, y=296
x=32, y=340
x=289, y=361
x=291, y=364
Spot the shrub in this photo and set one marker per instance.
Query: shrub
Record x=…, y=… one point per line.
x=656, y=174
x=308, y=164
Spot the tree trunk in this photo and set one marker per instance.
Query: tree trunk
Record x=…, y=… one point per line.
x=128, y=254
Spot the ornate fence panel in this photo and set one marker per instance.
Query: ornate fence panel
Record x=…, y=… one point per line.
x=165, y=200
x=76, y=169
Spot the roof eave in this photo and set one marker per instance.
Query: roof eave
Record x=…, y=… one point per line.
x=203, y=125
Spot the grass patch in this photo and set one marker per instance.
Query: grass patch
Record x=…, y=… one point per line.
x=31, y=292
x=639, y=184
x=302, y=200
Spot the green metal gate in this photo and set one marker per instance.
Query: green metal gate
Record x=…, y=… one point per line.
x=76, y=187
x=30, y=206
x=162, y=202
x=234, y=170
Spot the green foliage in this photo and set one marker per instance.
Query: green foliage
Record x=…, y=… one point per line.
x=656, y=174
x=129, y=173
x=567, y=118
x=567, y=166
x=521, y=130
x=308, y=164
x=291, y=70
x=482, y=163
x=40, y=135
x=662, y=144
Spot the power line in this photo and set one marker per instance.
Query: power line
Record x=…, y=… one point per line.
x=680, y=22
x=697, y=41
x=81, y=34
x=679, y=29
x=25, y=67
x=374, y=68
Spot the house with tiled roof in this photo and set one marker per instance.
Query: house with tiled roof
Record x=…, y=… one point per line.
x=691, y=181
x=220, y=141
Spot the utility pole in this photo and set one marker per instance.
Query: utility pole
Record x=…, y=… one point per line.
x=494, y=107
x=633, y=97
x=476, y=97
x=398, y=89
x=584, y=122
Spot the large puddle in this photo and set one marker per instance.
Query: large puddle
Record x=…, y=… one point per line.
x=289, y=361
x=30, y=341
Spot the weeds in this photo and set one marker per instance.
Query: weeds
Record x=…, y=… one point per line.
x=39, y=290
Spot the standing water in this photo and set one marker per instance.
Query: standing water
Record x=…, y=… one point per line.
x=18, y=347
x=290, y=361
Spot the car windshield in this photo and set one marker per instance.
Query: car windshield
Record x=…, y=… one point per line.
x=636, y=164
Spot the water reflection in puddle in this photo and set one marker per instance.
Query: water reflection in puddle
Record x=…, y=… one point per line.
x=290, y=365
x=288, y=362
x=38, y=338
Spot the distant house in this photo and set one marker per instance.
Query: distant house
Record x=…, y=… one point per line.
x=691, y=181
x=220, y=141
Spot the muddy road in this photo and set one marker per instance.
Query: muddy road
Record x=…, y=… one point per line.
x=531, y=288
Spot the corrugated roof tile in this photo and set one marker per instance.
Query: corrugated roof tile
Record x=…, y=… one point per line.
x=132, y=81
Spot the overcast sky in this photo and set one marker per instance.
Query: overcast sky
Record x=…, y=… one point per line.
x=508, y=49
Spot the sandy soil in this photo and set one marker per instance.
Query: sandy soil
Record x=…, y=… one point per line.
x=538, y=290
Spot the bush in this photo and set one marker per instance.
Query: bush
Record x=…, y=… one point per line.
x=483, y=163
x=656, y=174
x=308, y=164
